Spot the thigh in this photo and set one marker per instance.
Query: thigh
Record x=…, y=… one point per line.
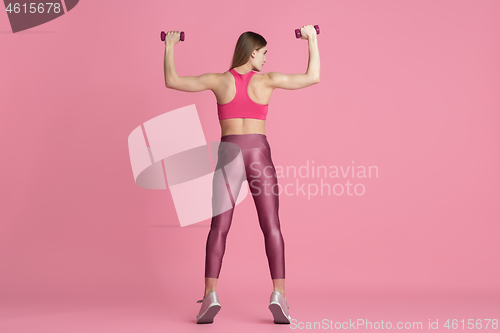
x=263, y=182
x=228, y=177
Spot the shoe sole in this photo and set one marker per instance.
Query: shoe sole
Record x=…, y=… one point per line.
x=208, y=316
x=278, y=314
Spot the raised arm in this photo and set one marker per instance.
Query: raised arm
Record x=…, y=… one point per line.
x=297, y=81
x=186, y=83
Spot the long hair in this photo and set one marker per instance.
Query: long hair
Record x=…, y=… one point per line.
x=246, y=44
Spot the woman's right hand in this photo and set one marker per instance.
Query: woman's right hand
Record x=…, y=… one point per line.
x=308, y=31
x=172, y=37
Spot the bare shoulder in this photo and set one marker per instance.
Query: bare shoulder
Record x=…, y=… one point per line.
x=215, y=77
x=211, y=80
x=225, y=80
x=265, y=78
x=225, y=75
x=272, y=79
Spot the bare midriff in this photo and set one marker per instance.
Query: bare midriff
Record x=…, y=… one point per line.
x=242, y=126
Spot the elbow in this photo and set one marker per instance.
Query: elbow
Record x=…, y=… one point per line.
x=169, y=85
x=315, y=80
x=170, y=82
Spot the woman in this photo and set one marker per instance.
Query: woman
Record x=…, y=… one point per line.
x=242, y=101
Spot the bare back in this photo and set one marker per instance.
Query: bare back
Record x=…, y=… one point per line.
x=258, y=91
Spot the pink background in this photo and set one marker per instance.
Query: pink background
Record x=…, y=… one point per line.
x=408, y=86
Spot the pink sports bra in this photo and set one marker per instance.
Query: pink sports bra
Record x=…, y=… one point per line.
x=242, y=106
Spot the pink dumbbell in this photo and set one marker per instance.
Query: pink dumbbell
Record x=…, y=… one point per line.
x=298, y=34
x=162, y=36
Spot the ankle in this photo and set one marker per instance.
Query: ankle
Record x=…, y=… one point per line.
x=282, y=292
x=207, y=292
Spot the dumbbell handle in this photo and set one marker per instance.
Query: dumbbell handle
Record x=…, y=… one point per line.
x=298, y=34
x=163, y=34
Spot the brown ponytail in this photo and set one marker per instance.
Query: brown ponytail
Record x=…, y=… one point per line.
x=246, y=44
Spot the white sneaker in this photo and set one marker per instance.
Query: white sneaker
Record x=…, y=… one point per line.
x=279, y=308
x=209, y=308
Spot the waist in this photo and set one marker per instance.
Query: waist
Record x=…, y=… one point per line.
x=236, y=136
x=242, y=126
x=251, y=140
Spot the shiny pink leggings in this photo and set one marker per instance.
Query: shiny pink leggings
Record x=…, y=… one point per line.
x=256, y=166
